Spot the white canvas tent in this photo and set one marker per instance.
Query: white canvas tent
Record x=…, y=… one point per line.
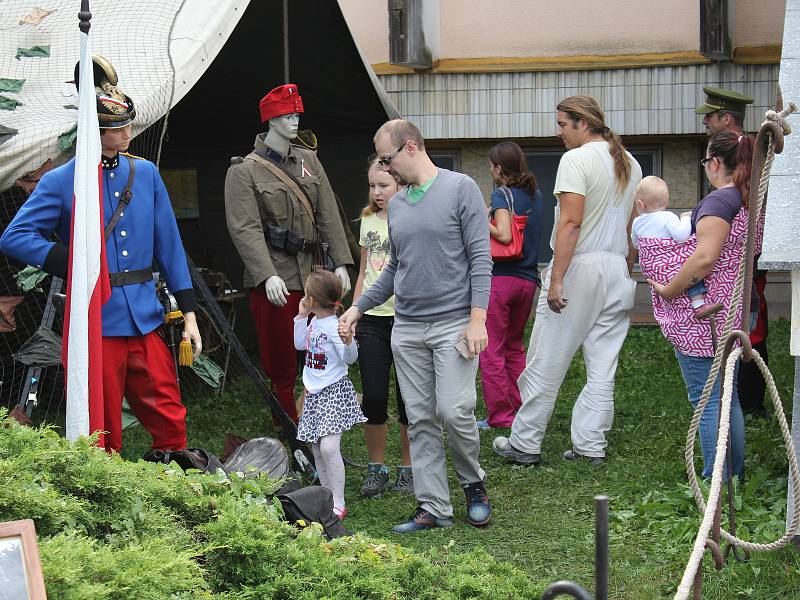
x=152, y=44
x=160, y=48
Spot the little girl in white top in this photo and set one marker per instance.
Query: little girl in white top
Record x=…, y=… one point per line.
x=330, y=406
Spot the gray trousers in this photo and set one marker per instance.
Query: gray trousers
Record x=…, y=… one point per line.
x=438, y=387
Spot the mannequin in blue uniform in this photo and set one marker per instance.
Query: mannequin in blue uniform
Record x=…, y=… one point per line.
x=136, y=362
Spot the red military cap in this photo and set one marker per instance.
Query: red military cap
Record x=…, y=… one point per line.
x=283, y=100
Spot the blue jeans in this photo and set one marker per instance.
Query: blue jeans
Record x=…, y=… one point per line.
x=697, y=289
x=695, y=371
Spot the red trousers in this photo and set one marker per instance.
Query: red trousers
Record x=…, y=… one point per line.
x=275, y=328
x=503, y=361
x=142, y=369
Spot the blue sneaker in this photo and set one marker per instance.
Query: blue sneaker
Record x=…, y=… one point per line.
x=483, y=424
x=479, y=511
x=422, y=520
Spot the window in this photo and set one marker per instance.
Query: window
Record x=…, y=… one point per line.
x=544, y=165
x=445, y=159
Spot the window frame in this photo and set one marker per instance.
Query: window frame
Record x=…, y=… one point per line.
x=447, y=153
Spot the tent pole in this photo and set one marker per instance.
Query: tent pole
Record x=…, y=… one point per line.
x=285, y=41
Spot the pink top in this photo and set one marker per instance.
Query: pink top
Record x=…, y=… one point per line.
x=661, y=259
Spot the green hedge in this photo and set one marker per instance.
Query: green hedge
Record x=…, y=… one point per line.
x=111, y=529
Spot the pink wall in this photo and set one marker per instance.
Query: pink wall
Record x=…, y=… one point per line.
x=568, y=27
x=759, y=22
x=526, y=28
x=369, y=24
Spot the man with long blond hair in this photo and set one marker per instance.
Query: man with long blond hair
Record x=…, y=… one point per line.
x=586, y=291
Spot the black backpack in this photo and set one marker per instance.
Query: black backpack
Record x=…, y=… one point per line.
x=312, y=504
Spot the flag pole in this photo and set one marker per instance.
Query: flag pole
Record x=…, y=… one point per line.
x=87, y=275
x=85, y=17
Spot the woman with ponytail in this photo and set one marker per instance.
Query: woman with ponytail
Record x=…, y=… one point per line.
x=514, y=283
x=720, y=226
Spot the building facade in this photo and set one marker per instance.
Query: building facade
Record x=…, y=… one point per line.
x=498, y=68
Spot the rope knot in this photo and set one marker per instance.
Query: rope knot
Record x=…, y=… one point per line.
x=780, y=117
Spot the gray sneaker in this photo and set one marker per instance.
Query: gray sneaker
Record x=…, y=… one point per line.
x=404, y=484
x=502, y=447
x=595, y=461
x=376, y=482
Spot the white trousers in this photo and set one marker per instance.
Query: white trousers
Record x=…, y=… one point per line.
x=600, y=294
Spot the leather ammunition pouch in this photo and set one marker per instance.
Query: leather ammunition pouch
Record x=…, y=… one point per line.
x=284, y=239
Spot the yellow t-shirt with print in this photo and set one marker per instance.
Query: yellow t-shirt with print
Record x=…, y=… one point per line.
x=374, y=238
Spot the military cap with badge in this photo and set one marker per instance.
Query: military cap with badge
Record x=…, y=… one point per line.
x=718, y=99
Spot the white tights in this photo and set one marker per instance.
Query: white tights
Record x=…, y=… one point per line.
x=330, y=467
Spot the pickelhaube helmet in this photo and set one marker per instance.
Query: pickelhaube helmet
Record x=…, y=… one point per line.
x=115, y=109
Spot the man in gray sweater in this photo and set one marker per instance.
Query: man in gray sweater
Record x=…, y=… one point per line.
x=440, y=273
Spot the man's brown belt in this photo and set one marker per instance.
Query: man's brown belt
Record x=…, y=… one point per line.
x=130, y=277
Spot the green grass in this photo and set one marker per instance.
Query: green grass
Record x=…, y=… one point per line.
x=543, y=519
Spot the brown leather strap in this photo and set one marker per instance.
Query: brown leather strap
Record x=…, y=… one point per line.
x=287, y=179
x=124, y=200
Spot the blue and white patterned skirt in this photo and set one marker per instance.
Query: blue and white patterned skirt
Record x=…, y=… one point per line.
x=333, y=409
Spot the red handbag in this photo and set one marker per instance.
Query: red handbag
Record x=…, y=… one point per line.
x=513, y=249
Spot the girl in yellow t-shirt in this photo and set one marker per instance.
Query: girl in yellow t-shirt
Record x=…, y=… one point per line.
x=374, y=334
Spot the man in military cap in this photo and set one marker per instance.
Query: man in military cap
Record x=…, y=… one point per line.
x=140, y=230
x=724, y=110
x=283, y=220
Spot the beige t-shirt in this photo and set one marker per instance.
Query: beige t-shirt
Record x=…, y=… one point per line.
x=589, y=171
x=374, y=238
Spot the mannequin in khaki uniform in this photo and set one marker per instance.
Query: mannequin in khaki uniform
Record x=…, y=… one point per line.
x=256, y=199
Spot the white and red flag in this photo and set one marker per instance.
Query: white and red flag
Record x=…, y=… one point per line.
x=88, y=286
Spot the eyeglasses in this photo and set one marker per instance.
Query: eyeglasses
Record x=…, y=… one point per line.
x=706, y=160
x=384, y=162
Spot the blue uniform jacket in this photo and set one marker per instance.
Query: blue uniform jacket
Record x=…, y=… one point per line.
x=145, y=236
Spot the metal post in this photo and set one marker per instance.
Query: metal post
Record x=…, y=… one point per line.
x=285, y=41
x=601, y=547
x=571, y=588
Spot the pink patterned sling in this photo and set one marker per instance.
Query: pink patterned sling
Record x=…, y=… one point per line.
x=661, y=259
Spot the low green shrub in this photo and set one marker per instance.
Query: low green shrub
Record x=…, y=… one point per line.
x=111, y=529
